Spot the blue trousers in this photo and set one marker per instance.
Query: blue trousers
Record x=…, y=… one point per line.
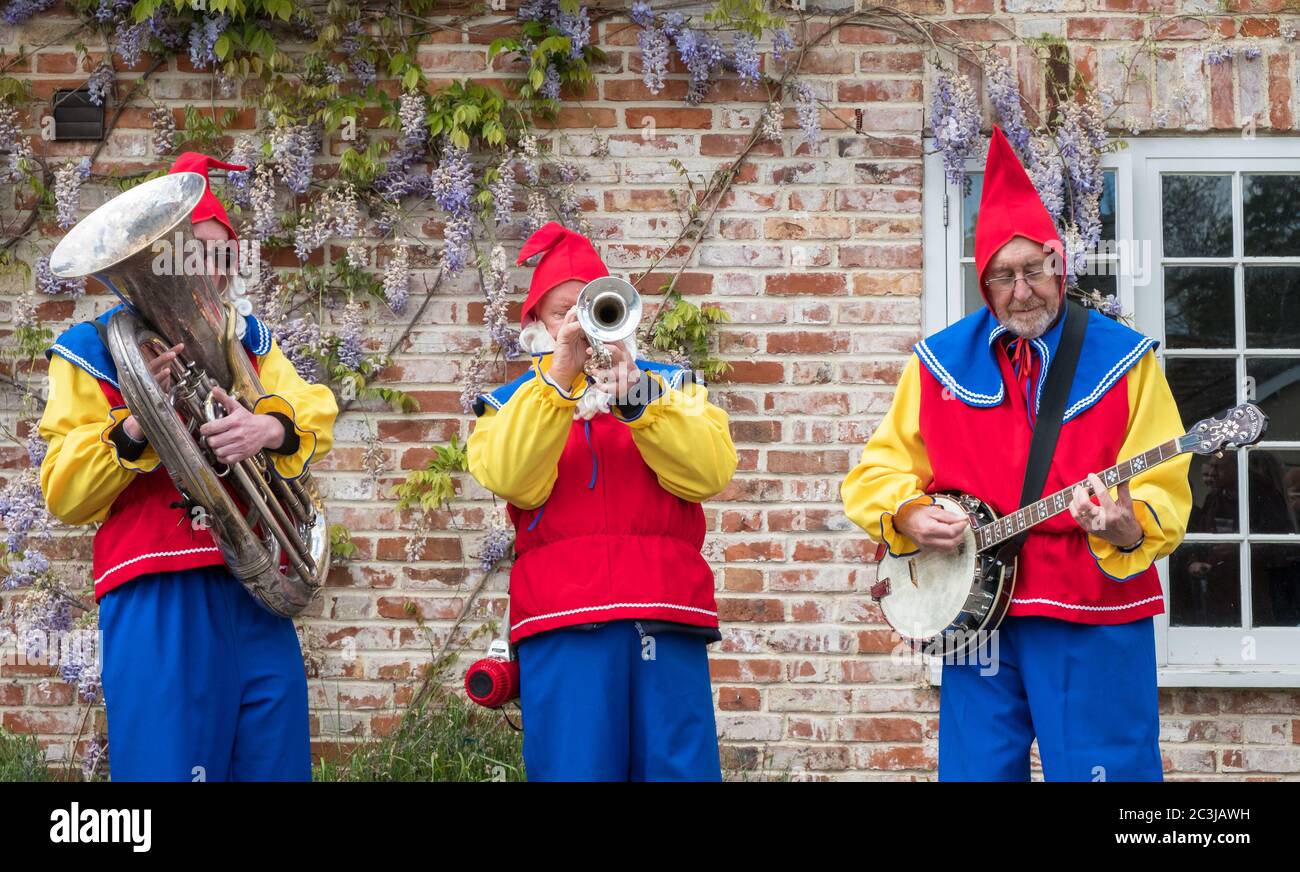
x=1087, y=692
x=200, y=683
x=603, y=705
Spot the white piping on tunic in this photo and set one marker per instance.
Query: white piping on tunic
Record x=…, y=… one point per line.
x=126, y=563
x=1083, y=608
x=585, y=609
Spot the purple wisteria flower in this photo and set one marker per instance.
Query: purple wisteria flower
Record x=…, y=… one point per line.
x=25, y=570
x=496, y=546
x=203, y=40
x=100, y=83
x=293, y=150
x=164, y=130
x=805, y=105
x=412, y=115
x=502, y=189
x=397, y=280
x=96, y=760
x=955, y=119
x=453, y=191
x=23, y=512
x=351, y=332
x=67, y=190
x=653, y=43
x=745, y=57
x=1004, y=96
x=13, y=141
x=18, y=11
x=300, y=342
x=50, y=284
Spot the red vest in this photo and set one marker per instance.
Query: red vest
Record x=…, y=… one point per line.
x=143, y=532
x=609, y=543
x=984, y=451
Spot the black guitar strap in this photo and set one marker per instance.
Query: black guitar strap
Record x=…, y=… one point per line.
x=1050, y=412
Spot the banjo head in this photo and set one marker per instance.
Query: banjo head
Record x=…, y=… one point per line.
x=931, y=592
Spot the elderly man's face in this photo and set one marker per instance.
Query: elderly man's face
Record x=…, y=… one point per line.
x=556, y=304
x=220, y=259
x=1027, y=303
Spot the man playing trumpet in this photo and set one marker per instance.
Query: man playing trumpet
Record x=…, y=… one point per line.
x=200, y=682
x=611, y=602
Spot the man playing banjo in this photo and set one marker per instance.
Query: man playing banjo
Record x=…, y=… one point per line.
x=1076, y=664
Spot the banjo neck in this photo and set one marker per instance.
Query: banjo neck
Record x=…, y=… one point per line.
x=1008, y=526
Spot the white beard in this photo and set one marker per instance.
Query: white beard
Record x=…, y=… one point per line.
x=536, y=339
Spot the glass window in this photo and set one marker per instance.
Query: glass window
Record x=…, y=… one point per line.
x=1232, y=334
x=1272, y=222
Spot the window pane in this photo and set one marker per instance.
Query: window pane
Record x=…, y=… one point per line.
x=972, y=187
x=1205, y=585
x=1203, y=387
x=1198, y=307
x=1215, y=508
x=1274, y=490
x=1102, y=277
x=1275, y=585
x=1197, y=215
x=1108, y=206
x=971, y=298
x=1272, y=307
x=1270, y=219
x=1277, y=392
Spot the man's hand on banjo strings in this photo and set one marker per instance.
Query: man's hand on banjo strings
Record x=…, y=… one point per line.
x=240, y=434
x=1109, y=519
x=161, y=369
x=932, y=527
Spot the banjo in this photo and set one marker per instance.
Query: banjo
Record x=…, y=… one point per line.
x=944, y=603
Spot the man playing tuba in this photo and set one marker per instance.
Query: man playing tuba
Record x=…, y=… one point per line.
x=611, y=602
x=200, y=682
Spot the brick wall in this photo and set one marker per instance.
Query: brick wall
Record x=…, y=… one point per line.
x=804, y=680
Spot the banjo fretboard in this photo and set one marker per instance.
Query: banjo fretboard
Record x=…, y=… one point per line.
x=1017, y=522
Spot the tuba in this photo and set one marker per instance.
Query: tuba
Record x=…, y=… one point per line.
x=272, y=533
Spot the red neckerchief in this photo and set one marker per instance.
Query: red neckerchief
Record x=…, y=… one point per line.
x=1020, y=352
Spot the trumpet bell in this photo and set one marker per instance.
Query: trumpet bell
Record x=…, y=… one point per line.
x=609, y=309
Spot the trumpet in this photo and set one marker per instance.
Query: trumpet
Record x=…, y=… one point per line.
x=609, y=310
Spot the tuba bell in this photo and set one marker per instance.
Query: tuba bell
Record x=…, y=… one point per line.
x=272, y=532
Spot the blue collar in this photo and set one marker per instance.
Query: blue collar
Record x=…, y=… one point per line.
x=81, y=346
x=672, y=374
x=962, y=358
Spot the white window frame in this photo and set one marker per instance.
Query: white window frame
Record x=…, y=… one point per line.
x=1186, y=657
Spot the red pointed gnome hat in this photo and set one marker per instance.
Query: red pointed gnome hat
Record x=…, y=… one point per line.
x=565, y=255
x=1010, y=207
x=209, y=206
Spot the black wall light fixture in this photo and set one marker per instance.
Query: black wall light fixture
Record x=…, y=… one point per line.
x=75, y=117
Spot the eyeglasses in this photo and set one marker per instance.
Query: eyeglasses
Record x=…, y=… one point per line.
x=1034, y=277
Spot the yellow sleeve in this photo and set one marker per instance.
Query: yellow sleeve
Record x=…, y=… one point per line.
x=311, y=407
x=686, y=440
x=1162, y=496
x=894, y=468
x=515, y=451
x=82, y=473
